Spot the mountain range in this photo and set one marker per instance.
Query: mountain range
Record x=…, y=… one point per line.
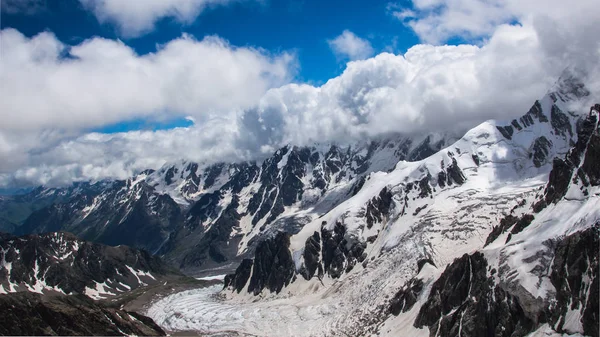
x=487, y=232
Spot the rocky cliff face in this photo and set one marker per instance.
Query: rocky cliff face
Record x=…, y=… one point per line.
x=467, y=300
x=334, y=249
x=575, y=276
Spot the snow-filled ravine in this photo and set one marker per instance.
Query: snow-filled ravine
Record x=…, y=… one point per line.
x=202, y=310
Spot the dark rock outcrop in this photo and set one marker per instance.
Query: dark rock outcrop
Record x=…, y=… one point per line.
x=589, y=172
x=214, y=243
x=575, y=276
x=424, y=187
x=340, y=253
x=558, y=181
x=30, y=314
x=540, y=150
x=505, y=224
x=523, y=222
x=506, y=131
x=239, y=279
x=452, y=174
x=312, y=252
x=279, y=186
x=425, y=149
x=455, y=174
x=405, y=298
x=560, y=122
x=274, y=267
x=586, y=149
x=465, y=299
x=378, y=207
x=536, y=111
x=515, y=124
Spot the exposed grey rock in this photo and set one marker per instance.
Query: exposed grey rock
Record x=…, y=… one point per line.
x=274, y=267
x=455, y=174
x=560, y=122
x=239, y=279
x=506, y=131
x=505, y=224
x=406, y=297
x=515, y=124
x=587, y=150
x=464, y=299
x=575, y=277
x=378, y=207
x=312, y=252
x=541, y=149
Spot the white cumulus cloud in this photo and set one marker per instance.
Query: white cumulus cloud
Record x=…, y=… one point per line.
x=349, y=46
x=436, y=21
x=46, y=84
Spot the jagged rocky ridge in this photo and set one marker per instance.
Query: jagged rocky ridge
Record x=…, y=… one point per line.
x=62, y=263
x=333, y=250
x=114, y=213
x=201, y=217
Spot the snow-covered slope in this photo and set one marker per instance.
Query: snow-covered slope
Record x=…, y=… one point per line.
x=465, y=242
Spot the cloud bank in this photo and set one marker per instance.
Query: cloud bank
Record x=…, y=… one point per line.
x=244, y=111
x=103, y=81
